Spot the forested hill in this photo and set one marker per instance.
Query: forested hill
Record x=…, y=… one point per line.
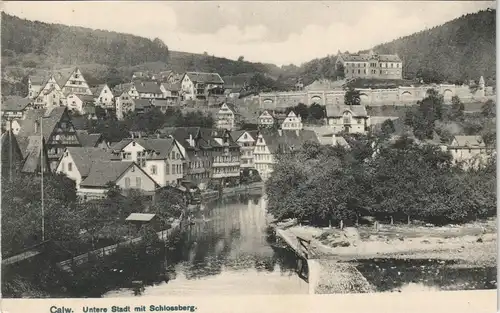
x=28, y=43
x=460, y=49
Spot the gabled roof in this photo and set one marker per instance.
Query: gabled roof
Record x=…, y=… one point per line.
x=172, y=87
x=289, y=139
x=336, y=110
x=468, y=141
x=105, y=172
x=32, y=155
x=388, y=58
x=140, y=217
x=236, y=134
x=86, y=158
x=160, y=103
x=96, y=91
x=229, y=105
x=85, y=98
x=158, y=148
x=147, y=87
x=205, y=78
x=88, y=140
x=15, y=103
x=50, y=119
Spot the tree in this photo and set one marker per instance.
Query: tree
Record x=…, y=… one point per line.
x=317, y=111
x=301, y=110
x=489, y=109
x=241, y=58
x=388, y=128
x=457, y=109
x=352, y=97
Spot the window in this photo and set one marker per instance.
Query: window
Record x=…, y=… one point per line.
x=173, y=155
x=133, y=169
x=133, y=143
x=359, y=71
x=153, y=169
x=138, y=182
x=167, y=169
x=127, y=182
x=392, y=64
x=76, y=75
x=365, y=71
x=173, y=169
x=380, y=71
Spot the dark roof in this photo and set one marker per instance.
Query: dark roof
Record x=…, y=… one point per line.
x=15, y=103
x=367, y=57
x=50, y=120
x=204, y=137
x=160, y=103
x=338, y=109
x=289, y=139
x=206, y=78
x=229, y=105
x=32, y=155
x=96, y=91
x=236, y=134
x=104, y=172
x=141, y=103
x=88, y=140
x=147, y=87
x=172, y=87
x=158, y=148
x=85, y=98
x=86, y=158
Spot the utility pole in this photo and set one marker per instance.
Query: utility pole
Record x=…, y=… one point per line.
x=42, y=169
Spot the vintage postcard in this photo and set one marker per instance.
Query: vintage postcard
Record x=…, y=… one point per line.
x=203, y=156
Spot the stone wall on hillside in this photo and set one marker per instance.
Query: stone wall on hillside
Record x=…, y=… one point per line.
x=401, y=96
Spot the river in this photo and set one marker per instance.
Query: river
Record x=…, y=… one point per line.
x=227, y=252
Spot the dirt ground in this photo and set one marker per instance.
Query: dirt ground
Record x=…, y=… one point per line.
x=473, y=244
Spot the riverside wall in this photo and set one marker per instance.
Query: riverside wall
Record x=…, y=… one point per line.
x=402, y=96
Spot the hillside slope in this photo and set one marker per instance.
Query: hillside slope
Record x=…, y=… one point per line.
x=33, y=44
x=458, y=50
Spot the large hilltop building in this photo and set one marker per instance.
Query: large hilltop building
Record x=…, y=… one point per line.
x=371, y=65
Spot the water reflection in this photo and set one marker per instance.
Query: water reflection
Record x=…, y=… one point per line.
x=425, y=274
x=227, y=251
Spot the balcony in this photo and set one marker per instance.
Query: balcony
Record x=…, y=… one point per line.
x=223, y=175
x=226, y=164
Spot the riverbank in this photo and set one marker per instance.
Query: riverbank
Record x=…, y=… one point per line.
x=473, y=243
x=449, y=251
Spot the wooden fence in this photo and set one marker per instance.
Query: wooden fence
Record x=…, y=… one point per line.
x=109, y=250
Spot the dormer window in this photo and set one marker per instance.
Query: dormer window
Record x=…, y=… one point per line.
x=133, y=143
x=76, y=75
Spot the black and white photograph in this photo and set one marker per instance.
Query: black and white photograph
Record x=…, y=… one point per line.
x=245, y=148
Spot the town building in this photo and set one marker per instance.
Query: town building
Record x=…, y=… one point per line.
x=195, y=144
x=95, y=140
x=35, y=85
x=125, y=175
x=103, y=96
x=124, y=104
x=160, y=158
x=469, y=151
x=225, y=117
x=32, y=148
x=58, y=131
x=371, y=65
x=226, y=158
x=292, y=122
x=76, y=162
x=171, y=92
x=349, y=119
x=51, y=95
x=148, y=90
x=270, y=143
x=76, y=84
x=246, y=141
x=197, y=85
x=266, y=119
x=14, y=109
x=142, y=105
x=78, y=102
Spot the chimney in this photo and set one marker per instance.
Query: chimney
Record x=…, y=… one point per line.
x=158, y=136
x=139, y=134
x=297, y=132
x=280, y=132
x=132, y=135
x=191, y=141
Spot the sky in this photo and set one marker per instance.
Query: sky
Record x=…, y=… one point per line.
x=276, y=32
